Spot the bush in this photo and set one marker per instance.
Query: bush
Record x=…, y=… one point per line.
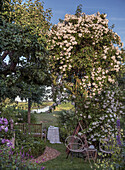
x=22, y=116
x=17, y=114
x=116, y=159
x=18, y=157
x=12, y=159
x=67, y=122
x=36, y=148
x=29, y=143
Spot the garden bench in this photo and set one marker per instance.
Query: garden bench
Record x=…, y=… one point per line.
x=33, y=129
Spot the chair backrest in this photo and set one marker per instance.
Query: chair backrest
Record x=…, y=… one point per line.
x=74, y=143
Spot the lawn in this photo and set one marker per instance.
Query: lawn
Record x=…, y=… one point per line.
x=52, y=118
x=64, y=106
x=47, y=119
x=61, y=163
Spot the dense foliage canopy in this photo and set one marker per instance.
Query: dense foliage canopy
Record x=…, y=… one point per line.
x=23, y=47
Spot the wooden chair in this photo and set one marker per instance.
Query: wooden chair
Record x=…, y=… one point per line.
x=75, y=144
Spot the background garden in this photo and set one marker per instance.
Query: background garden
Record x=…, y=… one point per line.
x=82, y=60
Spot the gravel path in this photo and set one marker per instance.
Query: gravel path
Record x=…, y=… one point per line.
x=48, y=154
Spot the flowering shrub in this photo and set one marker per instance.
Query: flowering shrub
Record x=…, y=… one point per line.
x=116, y=160
x=100, y=114
x=5, y=133
x=15, y=158
x=11, y=159
x=84, y=65
x=28, y=142
x=16, y=113
x=4, y=123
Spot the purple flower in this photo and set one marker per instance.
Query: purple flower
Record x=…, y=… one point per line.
x=9, y=144
x=118, y=140
x=7, y=140
x=6, y=129
x=3, y=141
x=31, y=156
x=42, y=168
x=2, y=127
x=118, y=128
x=1, y=122
x=23, y=155
x=37, y=162
x=118, y=122
x=5, y=121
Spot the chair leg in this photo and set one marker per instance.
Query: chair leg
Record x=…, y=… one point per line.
x=68, y=155
x=72, y=155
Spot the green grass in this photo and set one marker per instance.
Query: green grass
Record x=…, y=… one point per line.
x=52, y=118
x=48, y=119
x=64, y=106
x=61, y=163
x=24, y=105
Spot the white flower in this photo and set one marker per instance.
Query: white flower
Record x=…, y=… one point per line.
x=80, y=34
x=89, y=117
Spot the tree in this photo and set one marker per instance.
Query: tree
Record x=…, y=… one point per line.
x=23, y=46
x=85, y=61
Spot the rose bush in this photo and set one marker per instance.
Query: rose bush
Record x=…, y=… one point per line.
x=85, y=58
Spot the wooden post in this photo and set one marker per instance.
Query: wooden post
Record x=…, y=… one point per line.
x=29, y=110
x=12, y=129
x=41, y=132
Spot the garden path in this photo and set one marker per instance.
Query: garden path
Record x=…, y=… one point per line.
x=45, y=109
x=48, y=154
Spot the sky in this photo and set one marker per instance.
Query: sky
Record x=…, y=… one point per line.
x=115, y=10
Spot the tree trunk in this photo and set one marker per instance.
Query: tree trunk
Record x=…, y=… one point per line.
x=29, y=110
